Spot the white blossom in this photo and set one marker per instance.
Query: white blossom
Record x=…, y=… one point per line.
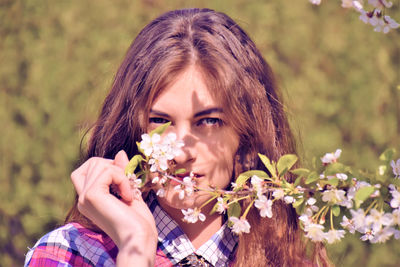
x=172, y=147
x=380, y=4
x=306, y=217
x=289, y=199
x=358, y=218
x=234, y=186
x=391, y=23
x=257, y=183
x=240, y=225
x=348, y=224
x=396, y=217
x=265, y=206
x=193, y=215
x=160, y=150
x=376, y=219
x=136, y=183
x=334, y=195
x=381, y=169
x=159, y=180
x=161, y=192
x=383, y=235
x=331, y=157
x=358, y=5
x=395, y=202
x=278, y=193
x=158, y=163
x=380, y=25
x=186, y=187
x=334, y=235
x=352, y=4
x=148, y=142
x=221, y=205
x=310, y=203
x=396, y=168
x=368, y=234
x=341, y=176
x=347, y=3
x=315, y=2
x=315, y=232
x=365, y=16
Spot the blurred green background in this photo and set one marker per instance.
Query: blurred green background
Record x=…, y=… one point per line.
x=58, y=58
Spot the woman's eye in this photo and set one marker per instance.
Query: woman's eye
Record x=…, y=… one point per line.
x=158, y=120
x=210, y=122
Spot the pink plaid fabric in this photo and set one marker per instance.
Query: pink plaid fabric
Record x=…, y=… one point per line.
x=74, y=245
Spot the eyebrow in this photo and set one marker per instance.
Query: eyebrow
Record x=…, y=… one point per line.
x=198, y=114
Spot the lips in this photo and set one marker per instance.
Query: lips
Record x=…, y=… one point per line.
x=188, y=174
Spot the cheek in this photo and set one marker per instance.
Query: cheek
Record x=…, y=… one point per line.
x=224, y=161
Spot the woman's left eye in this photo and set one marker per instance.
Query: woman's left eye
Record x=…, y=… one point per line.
x=210, y=122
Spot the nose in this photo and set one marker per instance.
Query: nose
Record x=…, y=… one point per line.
x=188, y=154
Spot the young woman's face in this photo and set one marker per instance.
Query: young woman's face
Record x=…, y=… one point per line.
x=199, y=120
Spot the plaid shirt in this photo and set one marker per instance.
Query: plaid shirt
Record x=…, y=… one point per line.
x=74, y=245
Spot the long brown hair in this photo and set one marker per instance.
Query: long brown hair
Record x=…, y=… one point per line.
x=236, y=74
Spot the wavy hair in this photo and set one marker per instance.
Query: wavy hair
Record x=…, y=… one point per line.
x=238, y=76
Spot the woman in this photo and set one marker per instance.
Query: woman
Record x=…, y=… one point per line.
x=199, y=70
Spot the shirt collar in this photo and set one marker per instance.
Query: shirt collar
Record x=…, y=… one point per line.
x=173, y=241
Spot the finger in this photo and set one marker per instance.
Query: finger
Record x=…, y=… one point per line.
x=121, y=159
x=124, y=186
x=96, y=168
x=79, y=176
x=106, y=175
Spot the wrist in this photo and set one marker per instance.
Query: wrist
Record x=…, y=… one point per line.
x=139, y=252
x=135, y=256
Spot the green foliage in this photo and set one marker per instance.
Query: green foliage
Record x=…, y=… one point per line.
x=234, y=210
x=133, y=163
x=285, y=163
x=362, y=194
x=58, y=59
x=160, y=129
x=243, y=177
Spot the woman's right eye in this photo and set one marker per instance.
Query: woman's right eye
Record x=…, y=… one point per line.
x=158, y=120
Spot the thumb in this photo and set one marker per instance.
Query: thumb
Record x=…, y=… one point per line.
x=121, y=159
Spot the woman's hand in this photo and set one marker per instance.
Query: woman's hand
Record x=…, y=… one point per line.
x=128, y=221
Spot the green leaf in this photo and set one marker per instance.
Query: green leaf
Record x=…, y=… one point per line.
x=300, y=207
x=285, y=163
x=179, y=171
x=312, y=177
x=387, y=155
x=363, y=193
x=142, y=177
x=298, y=202
x=300, y=172
x=234, y=210
x=334, y=168
x=335, y=210
x=333, y=181
x=270, y=166
x=243, y=177
x=133, y=163
x=214, y=209
x=298, y=181
x=160, y=129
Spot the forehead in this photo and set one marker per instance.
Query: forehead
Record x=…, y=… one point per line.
x=187, y=93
